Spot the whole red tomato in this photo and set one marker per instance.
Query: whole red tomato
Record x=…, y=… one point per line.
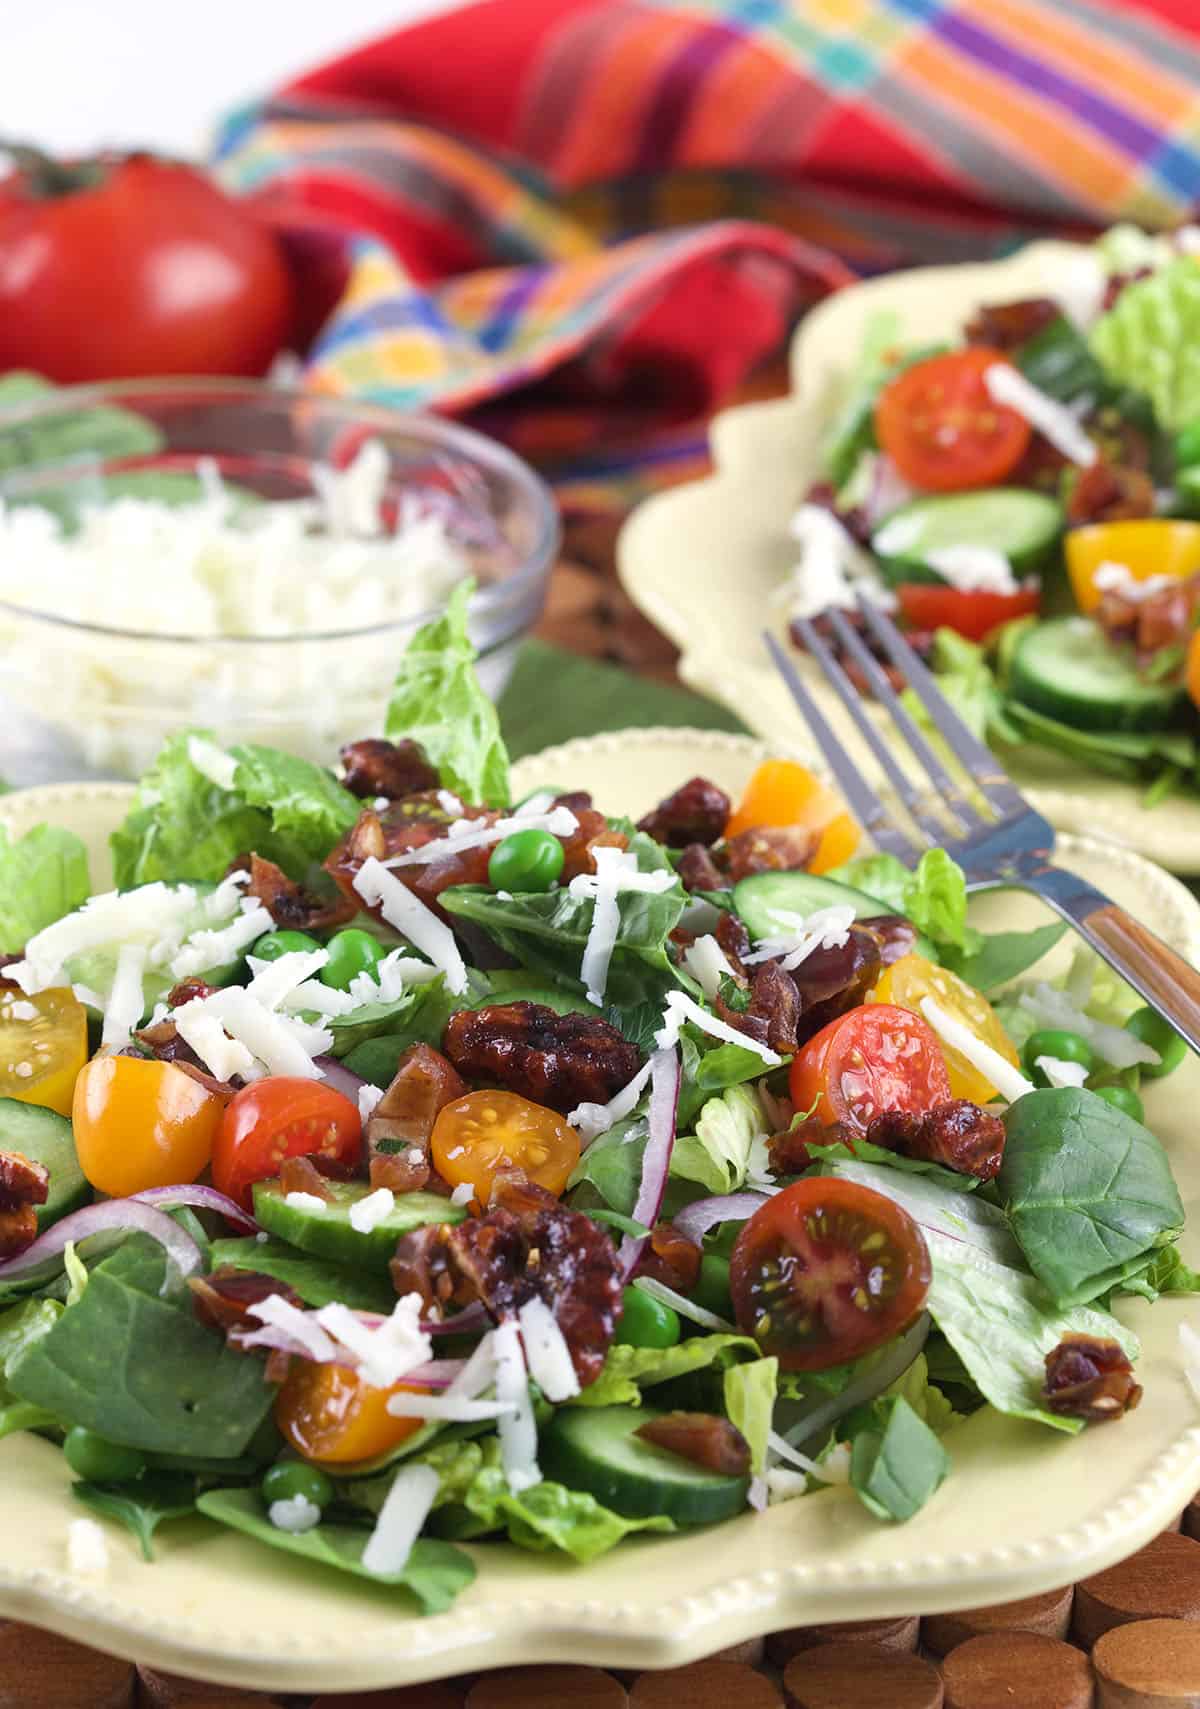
x=121, y=267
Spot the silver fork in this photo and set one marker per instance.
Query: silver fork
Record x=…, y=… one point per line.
x=984, y=822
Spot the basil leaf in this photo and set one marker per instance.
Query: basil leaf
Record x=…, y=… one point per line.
x=896, y=1468
x=143, y=1505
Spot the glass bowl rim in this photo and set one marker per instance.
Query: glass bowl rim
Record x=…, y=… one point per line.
x=434, y=430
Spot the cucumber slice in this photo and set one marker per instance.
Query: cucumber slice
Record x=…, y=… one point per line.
x=1021, y=524
x=549, y=996
x=1070, y=670
x=594, y=1448
x=756, y=900
x=45, y=1137
x=329, y=1233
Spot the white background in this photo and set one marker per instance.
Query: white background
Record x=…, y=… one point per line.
x=77, y=73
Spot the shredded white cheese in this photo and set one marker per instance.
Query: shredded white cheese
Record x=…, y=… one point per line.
x=212, y=762
x=546, y=1352
x=221, y=1055
x=973, y=569
x=1054, y=421
x=277, y=1313
x=87, y=1548
x=616, y=872
x=1061, y=1073
x=1111, y=577
x=401, y=1517
x=560, y=821
x=305, y=1202
x=832, y=569
x=708, y=964
x=447, y=1408
x=295, y=1514
x=282, y=1044
x=215, y=947
x=272, y=981
x=517, y=1429
x=409, y=915
x=368, y=1213
x=462, y=1194
x=827, y=928
x=590, y=1120
x=385, y=1352
x=1008, y=1081
x=680, y=1008
x=369, y=1099
x=125, y=1000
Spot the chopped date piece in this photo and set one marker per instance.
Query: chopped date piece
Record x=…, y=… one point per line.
x=698, y=869
x=394, y=769
x=1109, y=492
x=290, y=905
x=22, y=1181
x=770, y=848
x=1089, y=1377
x=855, y=519
x=399, y=1128
x=920, y=640
x=704, y=1438
x=671, y=1258
x=402, y=826
x=895, y=935
x=163, y=1043
x=1006, y=326
x=773, y=1012
x=788, y=1151
x=1164, y=619
x=301, y=1175
x=557, y=1060
x=592, y=832
x=576, y=801
x=957, y=1134
x=189, y=991
x=223, y=1300
x=1117, y=283
x=526, y=1246
x=697, y=812
x=830, y=981
x=734, y=939
x=18, y=1230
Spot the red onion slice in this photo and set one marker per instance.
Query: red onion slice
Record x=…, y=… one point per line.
x=665, y=1076
x=197, y=1198
x=696, y=1219
x=341, y=1078
x=113, y=1216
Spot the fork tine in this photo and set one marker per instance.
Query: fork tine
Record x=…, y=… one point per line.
x=949, y=787
x=982, y=766
x=836, y=677
x=868, y=809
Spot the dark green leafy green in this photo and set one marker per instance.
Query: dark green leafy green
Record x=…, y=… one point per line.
x=136, y=1367
x=1057, y=361
x=898, y=1464
x=318, y=1281
x=143, y=1505
x=1004, y=956
x=612, y=1164
x=435, y=1572
x=437, y=700
x=43, y=875
x=20, y=1327
x=710, y=1067
x=1088, y=1192
x=93, y=434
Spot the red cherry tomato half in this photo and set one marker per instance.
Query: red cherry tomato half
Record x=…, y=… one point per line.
x=974, y=615
x=827, y=1271
x=939, y=425
x=277, y=1118
x=872, y=1059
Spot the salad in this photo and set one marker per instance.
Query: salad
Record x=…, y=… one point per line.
x=386, y=1165
x=1027, y=494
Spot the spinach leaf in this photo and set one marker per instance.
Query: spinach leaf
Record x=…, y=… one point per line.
x=138, y=1368
x=434, y=1573
x=896, y=1467
x=318, y=1281
x=612, y=1164
x=20, y=1328
x=143, y=1505
x=438, y=701
x=1004, y=956
x=1088, y=1191
x=864, y=1152
x=43, y=875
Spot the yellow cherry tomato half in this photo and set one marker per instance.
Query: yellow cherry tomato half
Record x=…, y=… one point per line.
x=1149, y=546
x=783, y=793
x=330, y=1415
x=142, y=1124
x=43, y=1045
x=910, y=979
x=476, y=1137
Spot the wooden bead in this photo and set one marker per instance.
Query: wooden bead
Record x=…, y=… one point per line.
x=1162, y=1581
x=547, y=1688
x=860, y=1676
x=1149, y=1664
x=39, y=1670
x=1005, y=1669
x=157, y=1690
x=432, y=1696
x=705, y=1685
x=749, y=1653
x=899, y=1634
x=1049, y=1614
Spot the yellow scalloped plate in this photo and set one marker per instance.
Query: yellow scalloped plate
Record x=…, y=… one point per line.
x=1023, y=1510
x=704, y=560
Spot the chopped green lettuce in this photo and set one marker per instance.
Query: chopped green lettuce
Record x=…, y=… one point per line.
x=628, y=1370
x=728, y=1130
x=43, y=875
x=437, y=700
x=750, y=1405
x=1148, y=339
x=898, y=1463
x=933, y=897
x=927, y=1400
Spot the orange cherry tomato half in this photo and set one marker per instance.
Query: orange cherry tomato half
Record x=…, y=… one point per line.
x=971, y=614
x=872, y=1059
x=43, y=1045
x=1145, y=546
x=827, y=1271
x=277, y=1118
x=328, y=1414
x=476, y=1137
x=783, y=793
x=939, y=425
x=142, y=1124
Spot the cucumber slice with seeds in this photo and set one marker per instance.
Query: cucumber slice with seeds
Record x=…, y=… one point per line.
x=596, y=1449
x=46, y=1137
x=1022, y=525
x=329, y=1233
x=1068, y=669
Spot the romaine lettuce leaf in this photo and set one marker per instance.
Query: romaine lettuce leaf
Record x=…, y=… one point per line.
x=933, y=897
x=1148, y=340
x=750, y=1405
x=43, y=875
x=718, y=1154
x=437, y=700
x=629, y=1370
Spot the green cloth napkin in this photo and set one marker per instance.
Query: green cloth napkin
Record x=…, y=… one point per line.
x=554, y=696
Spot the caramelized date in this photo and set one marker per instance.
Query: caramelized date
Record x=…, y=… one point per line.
x=163, y=1043
x=1089, y=1377
x=1006, y=326
x=402, y=826
x=671, y=1258
x=1110, y=492
x=374, y=767
x=704, y=1438
x=223, y=1300
x=696, y=812
x=770, y=848
x=895, y=935
x=830, y=981
x=22, y=1181
x=290, y=905
x=399, y=1128
x=734, y=940
x=698, y=869
x=557, y=1060
x=189, y=991
x=788, y=1151
x=957, y=1134
x=301, y=1175
x=18, y=1230
x=773, y=1012
x=592, y=832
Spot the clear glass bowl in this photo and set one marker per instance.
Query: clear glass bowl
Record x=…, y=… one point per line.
x=78, y=699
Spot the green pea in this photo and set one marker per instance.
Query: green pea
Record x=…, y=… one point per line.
x=525, y=861
x=350, y=953
x=1187, y=446
x=98, y=1460
x=712, y=1288
x=288, y=1479
x=1064, y=1046
x=646, y=1322
x=274, y=944
x=1121, y=1098
x=1148, y=1025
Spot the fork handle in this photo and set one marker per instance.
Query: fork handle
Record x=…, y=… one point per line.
x=1167, y=982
